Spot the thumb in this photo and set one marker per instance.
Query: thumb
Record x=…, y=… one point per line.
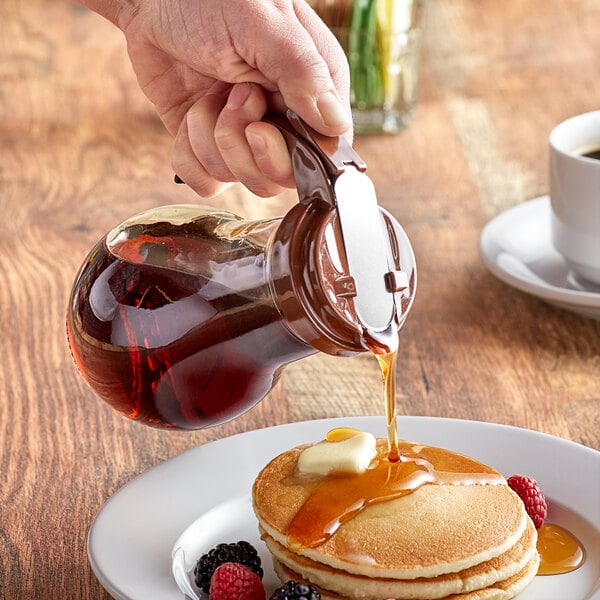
x=301, y=56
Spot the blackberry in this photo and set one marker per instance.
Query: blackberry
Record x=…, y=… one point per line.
x=292, y=590
x=242, y=552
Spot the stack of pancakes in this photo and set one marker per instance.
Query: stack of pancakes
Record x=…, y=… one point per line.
x=468, y=542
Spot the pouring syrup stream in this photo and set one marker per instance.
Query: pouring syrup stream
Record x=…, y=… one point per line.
x=387, y=362
x=386, y=352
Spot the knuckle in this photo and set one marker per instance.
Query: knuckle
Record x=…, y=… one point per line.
x=227, y=139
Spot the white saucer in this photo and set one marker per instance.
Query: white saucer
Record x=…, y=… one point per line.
x=146, y=538
x=517, y=248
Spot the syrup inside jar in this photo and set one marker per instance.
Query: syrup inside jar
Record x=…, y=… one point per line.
x=172, y=322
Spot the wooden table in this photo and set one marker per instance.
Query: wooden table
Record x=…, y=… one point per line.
x=81, y=149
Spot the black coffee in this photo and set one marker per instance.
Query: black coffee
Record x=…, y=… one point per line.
x=595, y=153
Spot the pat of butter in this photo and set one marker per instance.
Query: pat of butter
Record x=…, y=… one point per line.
x=351, y=455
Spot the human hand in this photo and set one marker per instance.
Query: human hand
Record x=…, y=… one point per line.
x=212, y=68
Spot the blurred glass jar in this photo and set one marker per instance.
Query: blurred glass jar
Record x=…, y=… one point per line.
x=382, y=40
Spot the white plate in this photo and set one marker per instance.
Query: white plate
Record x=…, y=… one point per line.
x=516, y=247
x=132, y=538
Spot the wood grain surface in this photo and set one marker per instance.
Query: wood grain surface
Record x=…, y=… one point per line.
x=81, y=149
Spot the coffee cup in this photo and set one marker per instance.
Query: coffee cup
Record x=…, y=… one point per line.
x=575, y=193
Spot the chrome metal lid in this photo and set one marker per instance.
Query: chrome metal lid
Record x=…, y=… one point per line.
x=329, y=171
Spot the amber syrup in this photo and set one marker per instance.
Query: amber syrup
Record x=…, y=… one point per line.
x=560, y=551
x=174, y=342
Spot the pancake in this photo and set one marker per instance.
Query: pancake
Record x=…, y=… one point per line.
x=501, y=590
x=455, y=535
x=479, y=576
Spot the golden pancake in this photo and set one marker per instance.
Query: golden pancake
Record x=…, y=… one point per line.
x=436, y=529
x=476, y=577
x=434, y=525
x=502, y=590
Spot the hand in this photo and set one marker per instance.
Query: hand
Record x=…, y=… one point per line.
x=212, y=68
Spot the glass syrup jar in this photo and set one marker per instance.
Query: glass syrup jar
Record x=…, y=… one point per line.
x=183, y=317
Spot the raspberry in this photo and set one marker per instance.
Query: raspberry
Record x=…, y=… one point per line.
x=233, y=581
x=529, y=491
x=292, y=590
x=242, y=552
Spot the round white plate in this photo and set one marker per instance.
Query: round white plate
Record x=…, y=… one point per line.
x=516, y=247
x=201, y=497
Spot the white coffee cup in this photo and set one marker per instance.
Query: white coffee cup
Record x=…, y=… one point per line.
x=575, y=193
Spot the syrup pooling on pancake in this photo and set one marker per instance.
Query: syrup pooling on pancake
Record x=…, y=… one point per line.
x=337, y=497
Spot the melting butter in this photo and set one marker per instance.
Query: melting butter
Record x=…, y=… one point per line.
x=349, y=452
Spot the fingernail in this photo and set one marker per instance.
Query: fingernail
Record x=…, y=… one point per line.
x=238, y=95
x=257, y=144
x=332, y=111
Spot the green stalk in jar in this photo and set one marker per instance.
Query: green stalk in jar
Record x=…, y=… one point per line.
x=364, y=56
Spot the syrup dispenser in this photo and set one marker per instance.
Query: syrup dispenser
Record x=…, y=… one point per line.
x=183, y=317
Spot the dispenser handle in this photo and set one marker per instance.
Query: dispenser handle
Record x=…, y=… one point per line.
x=334, y=152
x=317, y=160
